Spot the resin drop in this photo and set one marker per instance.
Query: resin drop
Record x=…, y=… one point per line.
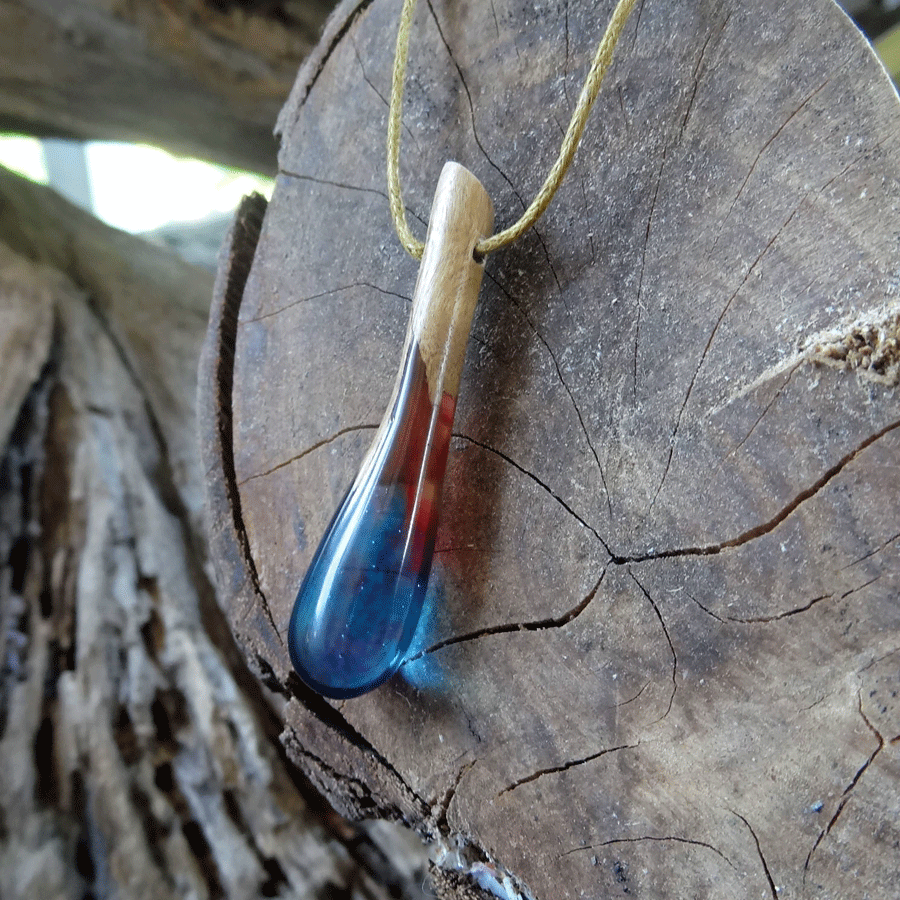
x=361, y=600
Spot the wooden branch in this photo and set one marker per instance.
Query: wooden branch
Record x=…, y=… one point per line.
x=662, y=646
x=203, y=79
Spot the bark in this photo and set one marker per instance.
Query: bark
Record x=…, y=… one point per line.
x=661, y=655
x=138, y=757
x=201, y=78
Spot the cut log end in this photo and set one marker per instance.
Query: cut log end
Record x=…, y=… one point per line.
x=664, y=588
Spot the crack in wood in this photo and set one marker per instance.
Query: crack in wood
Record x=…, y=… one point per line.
x=635, y=697
x=487, y=156
x=637, y=317
x=316, y=446
x=350, y=187
x=468, y=93
x=378, y=93
x=864, y=155
x=320, y=295
x=243, y=238
x=363, y=790
x=769, y=526
x=769, y=142
x=553, y=770
x=877, y=659
x=665, y=150
x=772, y=888
x=665, y=629
x=565, y=77
x=762, y=620
x=562, y=381
x=332, y=719
x=871, y=553
x=326, y=182
x=537, y=481
x=696, y=77
x=648, y=837
x=586, y=207
x=845, y=796
x=637, y=25
x=496, y=22
x=709, y=550
x=440, y=819
x=321, y=60
x=539, y=625
x=673, y=437
x=766, y=409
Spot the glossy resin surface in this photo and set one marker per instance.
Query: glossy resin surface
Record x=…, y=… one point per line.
x=360, y=602
x=362, y=597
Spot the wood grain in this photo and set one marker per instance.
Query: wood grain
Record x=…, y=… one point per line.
x=662, y=650
x=449, y=278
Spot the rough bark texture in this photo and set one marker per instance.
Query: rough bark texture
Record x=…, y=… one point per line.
x=201, y=77
x=138, y=758
x=662, y=656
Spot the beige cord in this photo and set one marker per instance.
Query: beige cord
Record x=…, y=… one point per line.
x=567, y=151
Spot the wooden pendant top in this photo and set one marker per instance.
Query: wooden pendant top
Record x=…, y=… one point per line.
x=450, y=277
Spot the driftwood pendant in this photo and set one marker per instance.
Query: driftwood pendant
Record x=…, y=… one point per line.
x=362, y=597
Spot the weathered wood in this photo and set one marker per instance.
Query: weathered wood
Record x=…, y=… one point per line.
x=138, y=757
x=663, y=649
x=202, y=78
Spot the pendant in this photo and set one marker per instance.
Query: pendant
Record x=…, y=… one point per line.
x=360, y=602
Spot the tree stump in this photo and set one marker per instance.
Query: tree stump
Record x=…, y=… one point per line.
x=662, y=652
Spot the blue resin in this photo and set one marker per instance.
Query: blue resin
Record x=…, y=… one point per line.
x=357, y=609
x=361, y=600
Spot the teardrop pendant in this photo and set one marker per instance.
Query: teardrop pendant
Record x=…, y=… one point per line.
x=362, y=597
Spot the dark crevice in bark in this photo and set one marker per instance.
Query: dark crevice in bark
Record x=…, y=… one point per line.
x=22, y=469
x=275, y=877
x=332, y=719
